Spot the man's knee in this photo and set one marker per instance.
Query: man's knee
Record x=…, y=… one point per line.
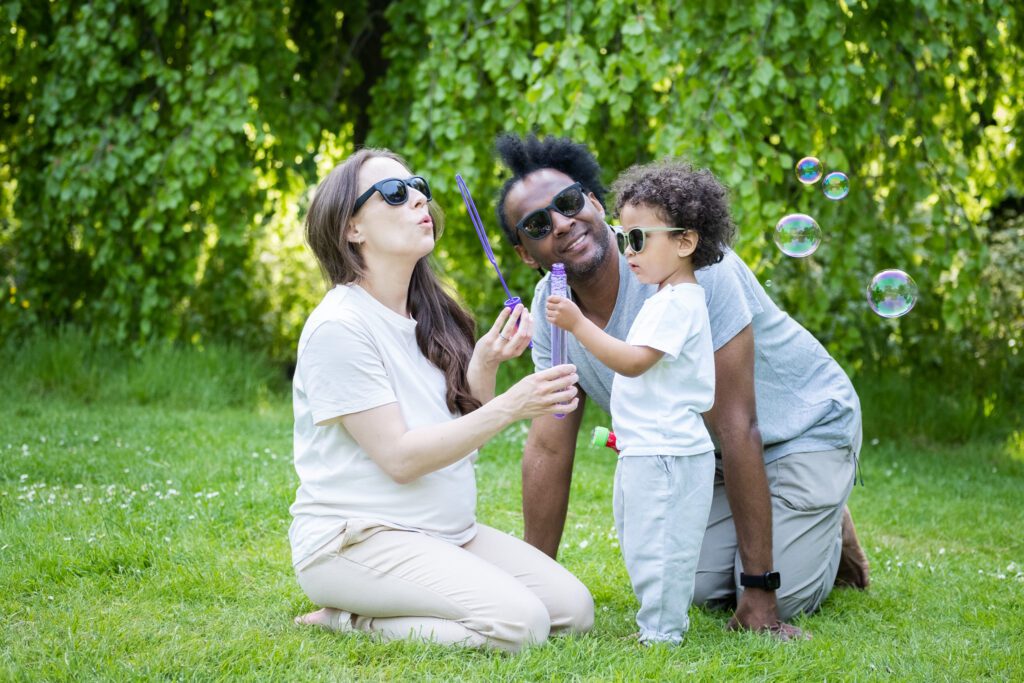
x=715, y=590
x=800, y=603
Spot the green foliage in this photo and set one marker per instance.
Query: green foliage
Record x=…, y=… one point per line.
x=155, y=158
x=918, y=103
x=145, y=145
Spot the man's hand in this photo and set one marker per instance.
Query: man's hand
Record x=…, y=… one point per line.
x=757, y=610
x=563, y=312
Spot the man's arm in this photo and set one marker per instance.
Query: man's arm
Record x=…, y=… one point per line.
x=547, y=473
x=734, y=421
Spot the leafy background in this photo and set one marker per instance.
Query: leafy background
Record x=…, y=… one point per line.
x=156, y=158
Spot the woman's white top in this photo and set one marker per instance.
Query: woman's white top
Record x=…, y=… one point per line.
x=659, y=411
x=355, y=354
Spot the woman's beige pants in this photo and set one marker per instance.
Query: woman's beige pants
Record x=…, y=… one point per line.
x=495, y=590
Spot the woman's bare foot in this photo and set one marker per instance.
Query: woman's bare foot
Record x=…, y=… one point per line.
x=327, y=618
x=853, y=563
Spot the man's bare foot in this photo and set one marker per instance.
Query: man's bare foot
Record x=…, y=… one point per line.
x=780, y=630
x=853, y=563
x=327, y=618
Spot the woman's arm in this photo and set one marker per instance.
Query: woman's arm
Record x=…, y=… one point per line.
x=621, y=357
x=508, y=338
x=407, y=454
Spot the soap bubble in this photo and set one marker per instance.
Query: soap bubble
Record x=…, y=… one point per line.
x=836, y=185
x=809, y=170
x=892, y=293
x=797, y=235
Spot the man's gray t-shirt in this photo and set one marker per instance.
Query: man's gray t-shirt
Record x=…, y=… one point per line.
x=805, y=402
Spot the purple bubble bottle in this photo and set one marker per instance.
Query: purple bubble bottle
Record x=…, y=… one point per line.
x=558, y=286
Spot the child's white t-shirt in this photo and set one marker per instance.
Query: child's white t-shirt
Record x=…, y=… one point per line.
x=355, y=354
x=659, y=411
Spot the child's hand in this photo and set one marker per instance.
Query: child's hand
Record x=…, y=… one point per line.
x=563, y=312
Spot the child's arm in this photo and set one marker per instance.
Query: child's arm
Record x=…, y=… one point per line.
x=621, y=357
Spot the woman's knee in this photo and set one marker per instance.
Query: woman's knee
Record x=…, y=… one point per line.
x=574, y=612
x=523, y=622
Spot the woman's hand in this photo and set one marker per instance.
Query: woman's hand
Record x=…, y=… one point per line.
x=546, y=392
x=508, y=337
x=563, y=312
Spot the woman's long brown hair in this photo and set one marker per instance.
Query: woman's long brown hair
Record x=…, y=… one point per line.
x=444, y=330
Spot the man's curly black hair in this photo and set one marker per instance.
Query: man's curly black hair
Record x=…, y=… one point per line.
x=523, y=156
x=684, y=197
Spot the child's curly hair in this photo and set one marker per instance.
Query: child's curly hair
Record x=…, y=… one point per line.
x=684, y=197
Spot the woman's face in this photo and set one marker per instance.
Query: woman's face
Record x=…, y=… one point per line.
x=383, y=231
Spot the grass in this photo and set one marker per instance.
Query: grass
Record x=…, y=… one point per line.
x=143, y=520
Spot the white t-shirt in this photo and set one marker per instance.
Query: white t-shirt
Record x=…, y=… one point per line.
x=356, y=354
x=659, y=411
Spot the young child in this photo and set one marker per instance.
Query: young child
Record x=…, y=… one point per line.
x=665, y=379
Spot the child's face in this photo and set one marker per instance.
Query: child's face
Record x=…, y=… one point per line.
x=665, y=257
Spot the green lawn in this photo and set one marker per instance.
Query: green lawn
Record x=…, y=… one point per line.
x=143, y=535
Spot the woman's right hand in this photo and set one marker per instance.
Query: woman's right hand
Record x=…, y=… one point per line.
x=546, y=392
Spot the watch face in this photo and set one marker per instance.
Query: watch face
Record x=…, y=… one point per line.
x=772, y=581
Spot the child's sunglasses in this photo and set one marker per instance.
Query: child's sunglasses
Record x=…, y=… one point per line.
x=394, y=191
x=635, y=238
x=537, y=224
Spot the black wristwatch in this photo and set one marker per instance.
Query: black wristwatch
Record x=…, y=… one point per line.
x=768, y=581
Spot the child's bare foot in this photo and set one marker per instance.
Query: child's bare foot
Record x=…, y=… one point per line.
x=853, y=563
x=327, y=618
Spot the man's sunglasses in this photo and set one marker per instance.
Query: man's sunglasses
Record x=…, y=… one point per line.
x=636, y=239
x=395, y=191
x=537, y=224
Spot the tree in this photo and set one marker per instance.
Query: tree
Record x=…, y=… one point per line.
x=156, y=160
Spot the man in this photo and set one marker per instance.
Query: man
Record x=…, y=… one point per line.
x=786, y=419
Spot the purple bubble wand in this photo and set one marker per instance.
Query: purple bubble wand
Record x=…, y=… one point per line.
x=474, y=216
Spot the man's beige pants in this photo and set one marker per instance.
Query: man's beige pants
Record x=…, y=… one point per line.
x=495, y=590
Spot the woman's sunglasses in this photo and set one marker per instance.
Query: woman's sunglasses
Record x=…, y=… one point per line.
x=395, y=191
x=537, y=224
x=635, y=238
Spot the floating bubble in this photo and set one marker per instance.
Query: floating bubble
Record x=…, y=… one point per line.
x=797, y=235
x=809, y=170
x=836, y=185
x=892, y=293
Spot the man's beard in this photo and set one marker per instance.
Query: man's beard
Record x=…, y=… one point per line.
x=583, y=270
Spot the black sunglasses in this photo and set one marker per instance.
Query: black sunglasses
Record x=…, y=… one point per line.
x=394, y=191
x=635, y=238
x=537, y=224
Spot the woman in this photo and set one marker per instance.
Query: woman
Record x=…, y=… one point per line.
x=392, y=399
